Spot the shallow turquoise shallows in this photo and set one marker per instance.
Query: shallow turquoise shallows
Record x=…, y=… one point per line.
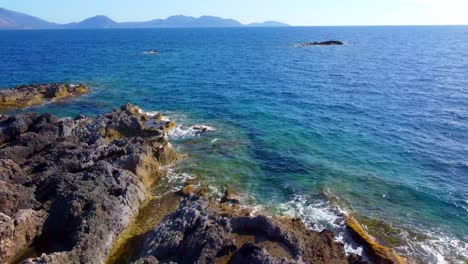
x=377, y=127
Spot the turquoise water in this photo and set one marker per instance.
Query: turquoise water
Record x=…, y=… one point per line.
x=377, y=127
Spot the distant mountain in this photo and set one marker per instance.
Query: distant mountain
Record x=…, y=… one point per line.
x=94, y=22
x=15, y=20
x=268, y=24
x=183, y=21
x=211, y=21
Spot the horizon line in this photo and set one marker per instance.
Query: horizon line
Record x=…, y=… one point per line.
x=243, y=23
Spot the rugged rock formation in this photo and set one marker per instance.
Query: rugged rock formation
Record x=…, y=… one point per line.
x=204, y=231
x=377, y=253
x=76, y=190
x=324, y=43
x=71, y=186
x=18, y=233
x=29, y=95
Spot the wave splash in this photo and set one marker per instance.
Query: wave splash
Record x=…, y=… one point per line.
x=180, y=131
x=320, y=214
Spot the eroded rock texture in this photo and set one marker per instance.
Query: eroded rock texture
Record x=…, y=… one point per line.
x=69, y=187
x=203, y=231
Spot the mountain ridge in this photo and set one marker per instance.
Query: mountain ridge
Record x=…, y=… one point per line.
x=16, y=20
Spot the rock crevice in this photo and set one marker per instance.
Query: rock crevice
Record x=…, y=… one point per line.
x=73, y=185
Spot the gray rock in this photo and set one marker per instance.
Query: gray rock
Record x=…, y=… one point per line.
x=18, y=232
x=252, y=254
x=323, y=43
x=201, y=231
x=88, y=177
x=190, y=235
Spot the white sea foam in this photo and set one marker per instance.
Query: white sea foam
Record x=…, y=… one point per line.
x=177, y=178
x=215, y=191
x=150, y=52
x=153, y=113
x=318, y=215
x=180, y=131
x=173, y=181
x=437, y=248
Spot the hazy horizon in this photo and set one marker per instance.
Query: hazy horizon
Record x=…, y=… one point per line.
x=302, y=13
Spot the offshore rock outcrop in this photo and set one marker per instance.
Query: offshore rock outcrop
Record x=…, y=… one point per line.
x=29, y=95
x=69, y=187
x=323, y=43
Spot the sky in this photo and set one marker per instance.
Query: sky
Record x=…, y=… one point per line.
x=294, y=12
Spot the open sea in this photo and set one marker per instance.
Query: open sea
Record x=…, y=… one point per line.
x=377, y=128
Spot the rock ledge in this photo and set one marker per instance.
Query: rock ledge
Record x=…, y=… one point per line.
x=29, y=95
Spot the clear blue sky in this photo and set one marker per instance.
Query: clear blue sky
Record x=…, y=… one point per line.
x=295, y=12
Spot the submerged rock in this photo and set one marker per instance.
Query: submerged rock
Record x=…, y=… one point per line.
x=69, y=187
x=29, y=95
x=323, y=43
x=230, y=197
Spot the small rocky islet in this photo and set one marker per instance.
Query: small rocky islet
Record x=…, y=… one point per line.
x=73, y=189
x=31, y=95
x=321, y=43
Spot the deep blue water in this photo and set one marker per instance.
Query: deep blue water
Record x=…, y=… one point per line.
x=381, y=123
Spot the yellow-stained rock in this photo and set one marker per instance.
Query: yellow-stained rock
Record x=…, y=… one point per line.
x=61, y=92
x=168, y=126
x=186, y=191
x=378, y=253
x=147, y=169
x=111, y=134
x=158, y=117
x=30, y=95
x=81, y=89
x=167, y=156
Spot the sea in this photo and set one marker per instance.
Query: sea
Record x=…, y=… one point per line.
x=376, y=128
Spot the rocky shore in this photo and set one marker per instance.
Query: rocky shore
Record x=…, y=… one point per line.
x=72, y=190
x=29, y=95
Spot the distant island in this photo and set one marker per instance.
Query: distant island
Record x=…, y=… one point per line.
x=15, y=20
